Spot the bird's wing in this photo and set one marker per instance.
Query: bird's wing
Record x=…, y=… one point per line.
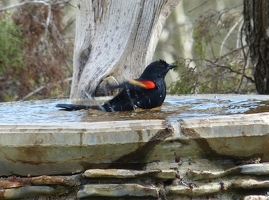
x=135, y=83
x=146, y=84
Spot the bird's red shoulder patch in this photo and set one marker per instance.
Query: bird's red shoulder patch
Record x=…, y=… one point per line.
x=143, y=83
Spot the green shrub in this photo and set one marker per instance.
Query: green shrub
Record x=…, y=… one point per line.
x=11, y=46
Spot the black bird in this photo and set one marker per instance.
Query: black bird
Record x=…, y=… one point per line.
x=148, y=91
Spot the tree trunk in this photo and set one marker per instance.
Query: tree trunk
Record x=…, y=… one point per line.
x=256, y=16
x=115, y=40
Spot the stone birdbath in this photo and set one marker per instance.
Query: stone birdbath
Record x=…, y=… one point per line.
x=202, y=146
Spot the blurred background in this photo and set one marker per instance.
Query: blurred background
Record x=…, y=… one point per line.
x=205, y=38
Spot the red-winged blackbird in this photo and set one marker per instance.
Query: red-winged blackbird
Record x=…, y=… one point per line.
x=148, y=91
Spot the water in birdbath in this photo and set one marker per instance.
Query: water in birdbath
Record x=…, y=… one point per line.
x=174, y=108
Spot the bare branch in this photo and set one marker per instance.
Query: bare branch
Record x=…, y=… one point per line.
x=33, y=2
x=229, y=33
x=245, y=60
x=198, y=6
x=229, y=53
x=43, y=87
x=47, y=24
x=230, y=69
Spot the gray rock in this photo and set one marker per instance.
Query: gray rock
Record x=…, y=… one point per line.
x=29, y=191
x=117, y=190
x=124, y=173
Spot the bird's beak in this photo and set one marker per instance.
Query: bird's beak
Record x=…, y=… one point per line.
x=171, y=66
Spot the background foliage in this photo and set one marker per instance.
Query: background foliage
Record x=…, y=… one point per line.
x=35, y=54
x=204, y=37
x=208, y=43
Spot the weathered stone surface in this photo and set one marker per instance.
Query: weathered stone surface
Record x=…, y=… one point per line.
x=256, y=197
x=53, y=180
x=239, y=135
x=204, y=189
x=124, y=173
x=117, y=190
x=16, y=182
x=116, y=173
x=166, y=174
x=215, y=187
x=250, y=183
x=72, y=147
x=29, y=191
x=255, y=169
x=39, y=149
x=250, y=169
x=10, y=184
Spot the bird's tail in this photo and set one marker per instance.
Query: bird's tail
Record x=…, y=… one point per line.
x=73, y=107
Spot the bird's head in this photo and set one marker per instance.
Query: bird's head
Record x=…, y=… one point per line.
x=157, y=69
